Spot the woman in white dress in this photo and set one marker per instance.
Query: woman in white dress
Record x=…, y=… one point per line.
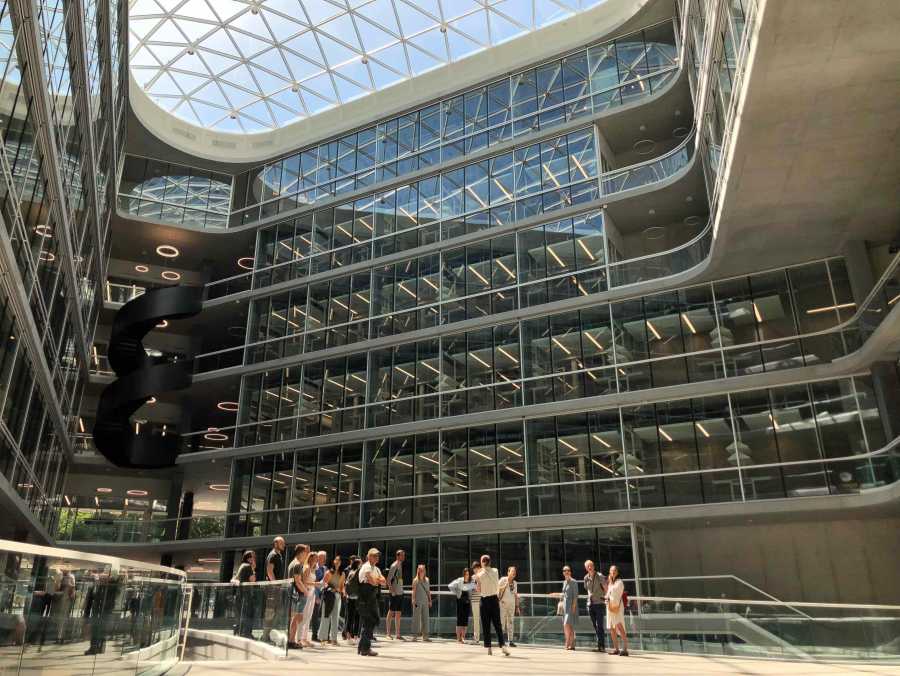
x=615, y=612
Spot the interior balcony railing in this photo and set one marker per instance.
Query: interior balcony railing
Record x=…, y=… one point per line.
x=622, y=373
x=854, y=474
x=613, y=184
x=731, y=626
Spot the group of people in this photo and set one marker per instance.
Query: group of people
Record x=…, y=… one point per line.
x=319, y=591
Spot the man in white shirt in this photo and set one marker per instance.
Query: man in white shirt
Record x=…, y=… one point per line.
x=370, y=579
x=487, y=581
x=509, y=603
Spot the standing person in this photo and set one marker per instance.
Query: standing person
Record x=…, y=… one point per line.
x=463, y=588
x=421, y=603
x=475, y=597
x=595, y=589
x=351, y=592
x=615, y=611
x=568, y=605
x=321, y=571
x=298, y=593
x=246, y=574
x=395, y=588
x=309, y=606
x=332, y=594
x=488, y=582
x=274, y=571
x=370, y=579
x=509, y=603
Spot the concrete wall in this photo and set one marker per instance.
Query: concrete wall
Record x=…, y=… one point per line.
x=829, y=561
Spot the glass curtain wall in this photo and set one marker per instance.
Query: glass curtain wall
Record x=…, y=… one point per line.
x=583, y=83
x=790, y=441
x=738, y=326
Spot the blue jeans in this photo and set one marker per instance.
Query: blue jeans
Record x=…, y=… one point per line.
x=598, y=619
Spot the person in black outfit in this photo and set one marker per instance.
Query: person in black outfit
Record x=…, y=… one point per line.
x=245, y=575
x=351, y=624
x=274, y=571
x=370, y=579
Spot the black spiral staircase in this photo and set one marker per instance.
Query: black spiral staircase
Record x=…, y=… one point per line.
x=141, y=377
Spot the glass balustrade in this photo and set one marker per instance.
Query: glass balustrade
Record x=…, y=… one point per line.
x=72, y=612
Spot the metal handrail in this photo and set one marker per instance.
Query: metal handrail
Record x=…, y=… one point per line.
x=837, y=329
x=599, y=177
x=884, y=450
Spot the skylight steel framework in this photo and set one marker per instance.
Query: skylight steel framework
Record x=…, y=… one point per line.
x=255, y=65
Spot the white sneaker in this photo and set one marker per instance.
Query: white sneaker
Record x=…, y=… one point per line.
x=505, y=651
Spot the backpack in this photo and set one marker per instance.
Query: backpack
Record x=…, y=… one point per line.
x=353, y=584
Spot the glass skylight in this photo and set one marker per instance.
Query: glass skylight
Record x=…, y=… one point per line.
x=254, y=65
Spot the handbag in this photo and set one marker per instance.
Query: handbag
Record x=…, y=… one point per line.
x=561, y=608
x=613, y=608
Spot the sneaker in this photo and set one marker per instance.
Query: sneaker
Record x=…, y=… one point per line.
x=624, y=653
x=415, y=638
x=371, y=653
x=294, y=646
x=512, y=645
x=490, y=652
x=615, y=652
x=505, y=651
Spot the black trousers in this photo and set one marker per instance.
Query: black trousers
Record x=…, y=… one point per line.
x=352, y=623
x=598, y=619
x=490, y=614
x=368, y=619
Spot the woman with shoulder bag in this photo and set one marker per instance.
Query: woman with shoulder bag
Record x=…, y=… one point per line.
x=568, y=607
x=615, y=612
x=462, y=587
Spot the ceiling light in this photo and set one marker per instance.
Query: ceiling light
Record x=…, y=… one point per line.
x=25, y=485
x=215, y=435
x=757, y=313
x=653, y=330
x=137, y=493
x=68, y=502
x=170, y=275
x=80, y=424
x=104, y=490
x=209, y=560
x=245, y=262
x=702, y=430
x=43, y=230
x=141, y=268
x=47, y=256
x=167, y=251
x=163, y=324
x=151, y=400
x=687, y=320
x=664, y=434
x=818, y=310
x=230, y=406
x=218, y=487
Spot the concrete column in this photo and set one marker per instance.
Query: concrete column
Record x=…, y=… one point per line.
x=886, y=384
x=884, y=374
x=859, y=270
x=187, y=511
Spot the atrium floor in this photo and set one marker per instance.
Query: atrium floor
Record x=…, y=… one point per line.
x=442, y=657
